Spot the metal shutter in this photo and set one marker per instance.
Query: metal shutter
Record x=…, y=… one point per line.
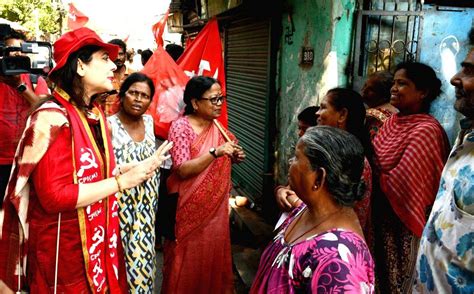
x=247, y=70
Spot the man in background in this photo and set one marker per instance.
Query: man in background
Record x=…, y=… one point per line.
x=145, y=56
x=112, y=102
x=18, y=94
x=174, y=50
x=445, y=262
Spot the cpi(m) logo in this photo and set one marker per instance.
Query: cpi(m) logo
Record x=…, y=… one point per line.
x=87, y=160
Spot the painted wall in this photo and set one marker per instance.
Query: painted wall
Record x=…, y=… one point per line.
x=326, y=26
x=444, y=47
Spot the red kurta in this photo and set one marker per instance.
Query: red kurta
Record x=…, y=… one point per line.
x=43, y=185
x=14, y=110
x=55, y=192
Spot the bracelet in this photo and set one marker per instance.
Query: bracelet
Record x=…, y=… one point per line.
x=120, y=171
x=117, y=179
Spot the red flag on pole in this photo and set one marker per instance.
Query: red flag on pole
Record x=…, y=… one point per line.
x=158, y=29
x=204, y=57
x=169, y=80
x=75, y=18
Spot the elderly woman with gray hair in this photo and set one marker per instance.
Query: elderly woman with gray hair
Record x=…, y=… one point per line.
x=321, y=247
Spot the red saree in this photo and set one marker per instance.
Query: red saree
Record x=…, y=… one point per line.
x=199, y=260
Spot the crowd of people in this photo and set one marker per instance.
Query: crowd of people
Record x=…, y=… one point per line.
x=375, y=201
x=412, y=200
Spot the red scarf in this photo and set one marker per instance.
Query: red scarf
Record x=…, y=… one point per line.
x=99, y=223
x=410, y=152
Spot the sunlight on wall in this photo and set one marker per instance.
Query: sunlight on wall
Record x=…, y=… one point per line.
x=330, y=76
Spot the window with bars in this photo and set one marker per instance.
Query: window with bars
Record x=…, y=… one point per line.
x=387, y=33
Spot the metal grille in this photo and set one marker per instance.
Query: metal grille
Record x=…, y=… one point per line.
x=387, y=33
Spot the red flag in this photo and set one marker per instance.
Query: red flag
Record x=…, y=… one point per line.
x=169, y=81
x=75, y=18
x=204, y=57
x=126, y=38
x=158, y=29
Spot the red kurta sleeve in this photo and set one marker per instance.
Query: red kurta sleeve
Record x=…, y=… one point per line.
x=53, y=176
x=41, y=87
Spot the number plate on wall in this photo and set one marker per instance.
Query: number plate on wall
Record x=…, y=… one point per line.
x=307, y=56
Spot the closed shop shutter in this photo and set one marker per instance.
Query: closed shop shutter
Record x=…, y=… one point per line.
x=247, y=44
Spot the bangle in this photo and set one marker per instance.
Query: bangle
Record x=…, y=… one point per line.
x=117, y=179
x=120, y=171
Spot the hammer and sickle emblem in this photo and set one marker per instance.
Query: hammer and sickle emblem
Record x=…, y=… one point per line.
x=88, y=161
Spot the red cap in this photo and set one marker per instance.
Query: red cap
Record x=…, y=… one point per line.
x=75, y=40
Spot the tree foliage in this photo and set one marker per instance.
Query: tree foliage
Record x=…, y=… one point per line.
x=29, y=13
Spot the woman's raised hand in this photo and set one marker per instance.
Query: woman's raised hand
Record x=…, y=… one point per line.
x=146, y=168
x=160, y=154
x=225, y=149
x=228, y=149
x=286, y=198
x=239, y=155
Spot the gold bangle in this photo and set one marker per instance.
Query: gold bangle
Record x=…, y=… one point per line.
x=117, y=179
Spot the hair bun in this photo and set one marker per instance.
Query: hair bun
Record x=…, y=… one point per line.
x=358, y=190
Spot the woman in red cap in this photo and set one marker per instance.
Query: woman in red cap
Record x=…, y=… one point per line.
x=60, y=210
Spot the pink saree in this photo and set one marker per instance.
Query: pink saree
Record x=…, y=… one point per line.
x=199, y=260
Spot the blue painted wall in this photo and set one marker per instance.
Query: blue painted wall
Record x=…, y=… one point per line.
x=444, y=47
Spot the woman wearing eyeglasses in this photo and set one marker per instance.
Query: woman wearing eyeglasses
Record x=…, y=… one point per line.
x=199, y=259
x=59, y=222
x=133, y=140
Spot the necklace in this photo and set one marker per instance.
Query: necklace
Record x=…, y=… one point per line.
x=312, y=228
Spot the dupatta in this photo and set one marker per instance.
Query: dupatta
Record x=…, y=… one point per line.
x=98, y=222
x=410, y=154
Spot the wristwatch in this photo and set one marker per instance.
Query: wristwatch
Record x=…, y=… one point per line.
x=213, y=152
x=21, y=87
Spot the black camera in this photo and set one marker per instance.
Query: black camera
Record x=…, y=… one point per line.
x=35, y=57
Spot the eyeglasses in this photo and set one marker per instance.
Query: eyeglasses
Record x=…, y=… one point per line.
x=215, y=100
x=138, y=94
